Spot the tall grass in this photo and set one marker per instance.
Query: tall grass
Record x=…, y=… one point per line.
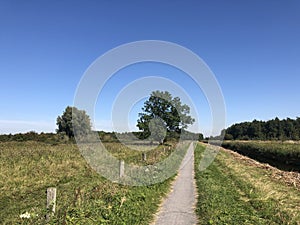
x=83, y=196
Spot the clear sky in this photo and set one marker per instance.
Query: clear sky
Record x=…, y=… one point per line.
x=253, y=48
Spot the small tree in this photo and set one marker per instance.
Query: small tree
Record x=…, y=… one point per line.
x=73, y=120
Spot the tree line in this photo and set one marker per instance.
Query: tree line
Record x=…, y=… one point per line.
x=275, y=129
x=163, y=118
x=49, y=138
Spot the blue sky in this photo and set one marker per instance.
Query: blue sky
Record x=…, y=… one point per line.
x=253, y=48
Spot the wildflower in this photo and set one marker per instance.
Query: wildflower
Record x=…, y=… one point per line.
x=25, y=215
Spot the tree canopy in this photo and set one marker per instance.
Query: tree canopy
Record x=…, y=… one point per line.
x=73, y=120
x=275, y=129
x=162, y=113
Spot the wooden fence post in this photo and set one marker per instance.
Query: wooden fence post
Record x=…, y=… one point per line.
x=51, y=202
x=144, y=156
x=122, y=169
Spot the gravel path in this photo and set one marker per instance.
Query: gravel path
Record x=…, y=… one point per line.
x=178, y=207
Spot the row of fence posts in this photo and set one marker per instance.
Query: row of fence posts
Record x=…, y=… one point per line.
x=122, y=165
x=144, y=158
x=51, y=191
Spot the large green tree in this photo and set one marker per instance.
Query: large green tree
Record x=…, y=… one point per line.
x=162, y=112
x=73, y=120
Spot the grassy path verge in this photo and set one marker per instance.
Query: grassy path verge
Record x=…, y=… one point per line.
x=234, y=192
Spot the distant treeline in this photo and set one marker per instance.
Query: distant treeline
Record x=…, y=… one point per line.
x=50, y=138
x=170, y=136
x=56, y=138
x=275, y=129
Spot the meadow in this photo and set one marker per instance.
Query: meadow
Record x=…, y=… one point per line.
x=83, y=196
x=233, y=190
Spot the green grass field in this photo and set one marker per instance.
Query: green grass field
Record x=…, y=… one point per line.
x=232, y=191
x=29, y=168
